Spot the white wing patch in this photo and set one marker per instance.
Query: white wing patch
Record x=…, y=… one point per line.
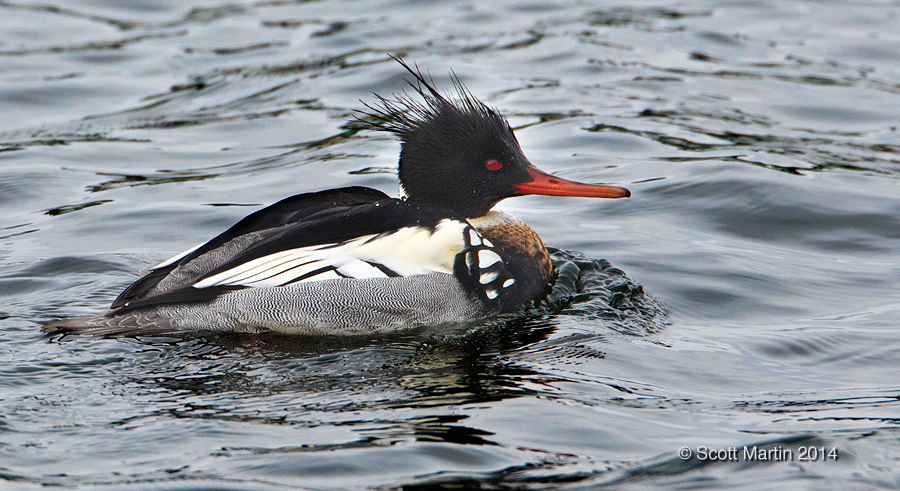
x=179, y=257
x=406, y=252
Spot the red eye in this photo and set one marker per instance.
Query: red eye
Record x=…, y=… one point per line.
x=493, y=165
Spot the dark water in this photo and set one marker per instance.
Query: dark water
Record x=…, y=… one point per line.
x=760, y=140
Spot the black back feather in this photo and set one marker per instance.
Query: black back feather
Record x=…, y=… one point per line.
x=312, y=219
x=289, y=210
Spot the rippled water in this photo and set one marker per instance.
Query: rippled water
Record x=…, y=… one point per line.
x=760, y=306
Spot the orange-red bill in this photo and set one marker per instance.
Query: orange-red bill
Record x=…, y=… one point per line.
x=548, y=185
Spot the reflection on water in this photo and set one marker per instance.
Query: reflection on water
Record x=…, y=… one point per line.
x=760, y=141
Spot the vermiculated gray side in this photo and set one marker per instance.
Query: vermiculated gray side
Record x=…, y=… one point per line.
x=336, y=306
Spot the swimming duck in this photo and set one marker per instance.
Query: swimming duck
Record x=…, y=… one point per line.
x=354, y=260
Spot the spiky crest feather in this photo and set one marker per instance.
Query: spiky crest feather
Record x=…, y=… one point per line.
x=404, y=115
x=445, y=143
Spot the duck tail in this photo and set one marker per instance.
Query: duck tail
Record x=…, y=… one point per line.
x=137, y=322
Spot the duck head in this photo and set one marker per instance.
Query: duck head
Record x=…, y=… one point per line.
x=458, y=153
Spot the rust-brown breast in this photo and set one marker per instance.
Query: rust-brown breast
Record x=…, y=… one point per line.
x=516, y=240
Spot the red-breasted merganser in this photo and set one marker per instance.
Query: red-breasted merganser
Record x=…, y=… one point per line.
x=354, y=260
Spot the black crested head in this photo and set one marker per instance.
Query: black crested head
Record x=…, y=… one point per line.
x=457, y=153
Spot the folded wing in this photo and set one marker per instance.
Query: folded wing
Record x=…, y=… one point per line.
x=342, y=233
